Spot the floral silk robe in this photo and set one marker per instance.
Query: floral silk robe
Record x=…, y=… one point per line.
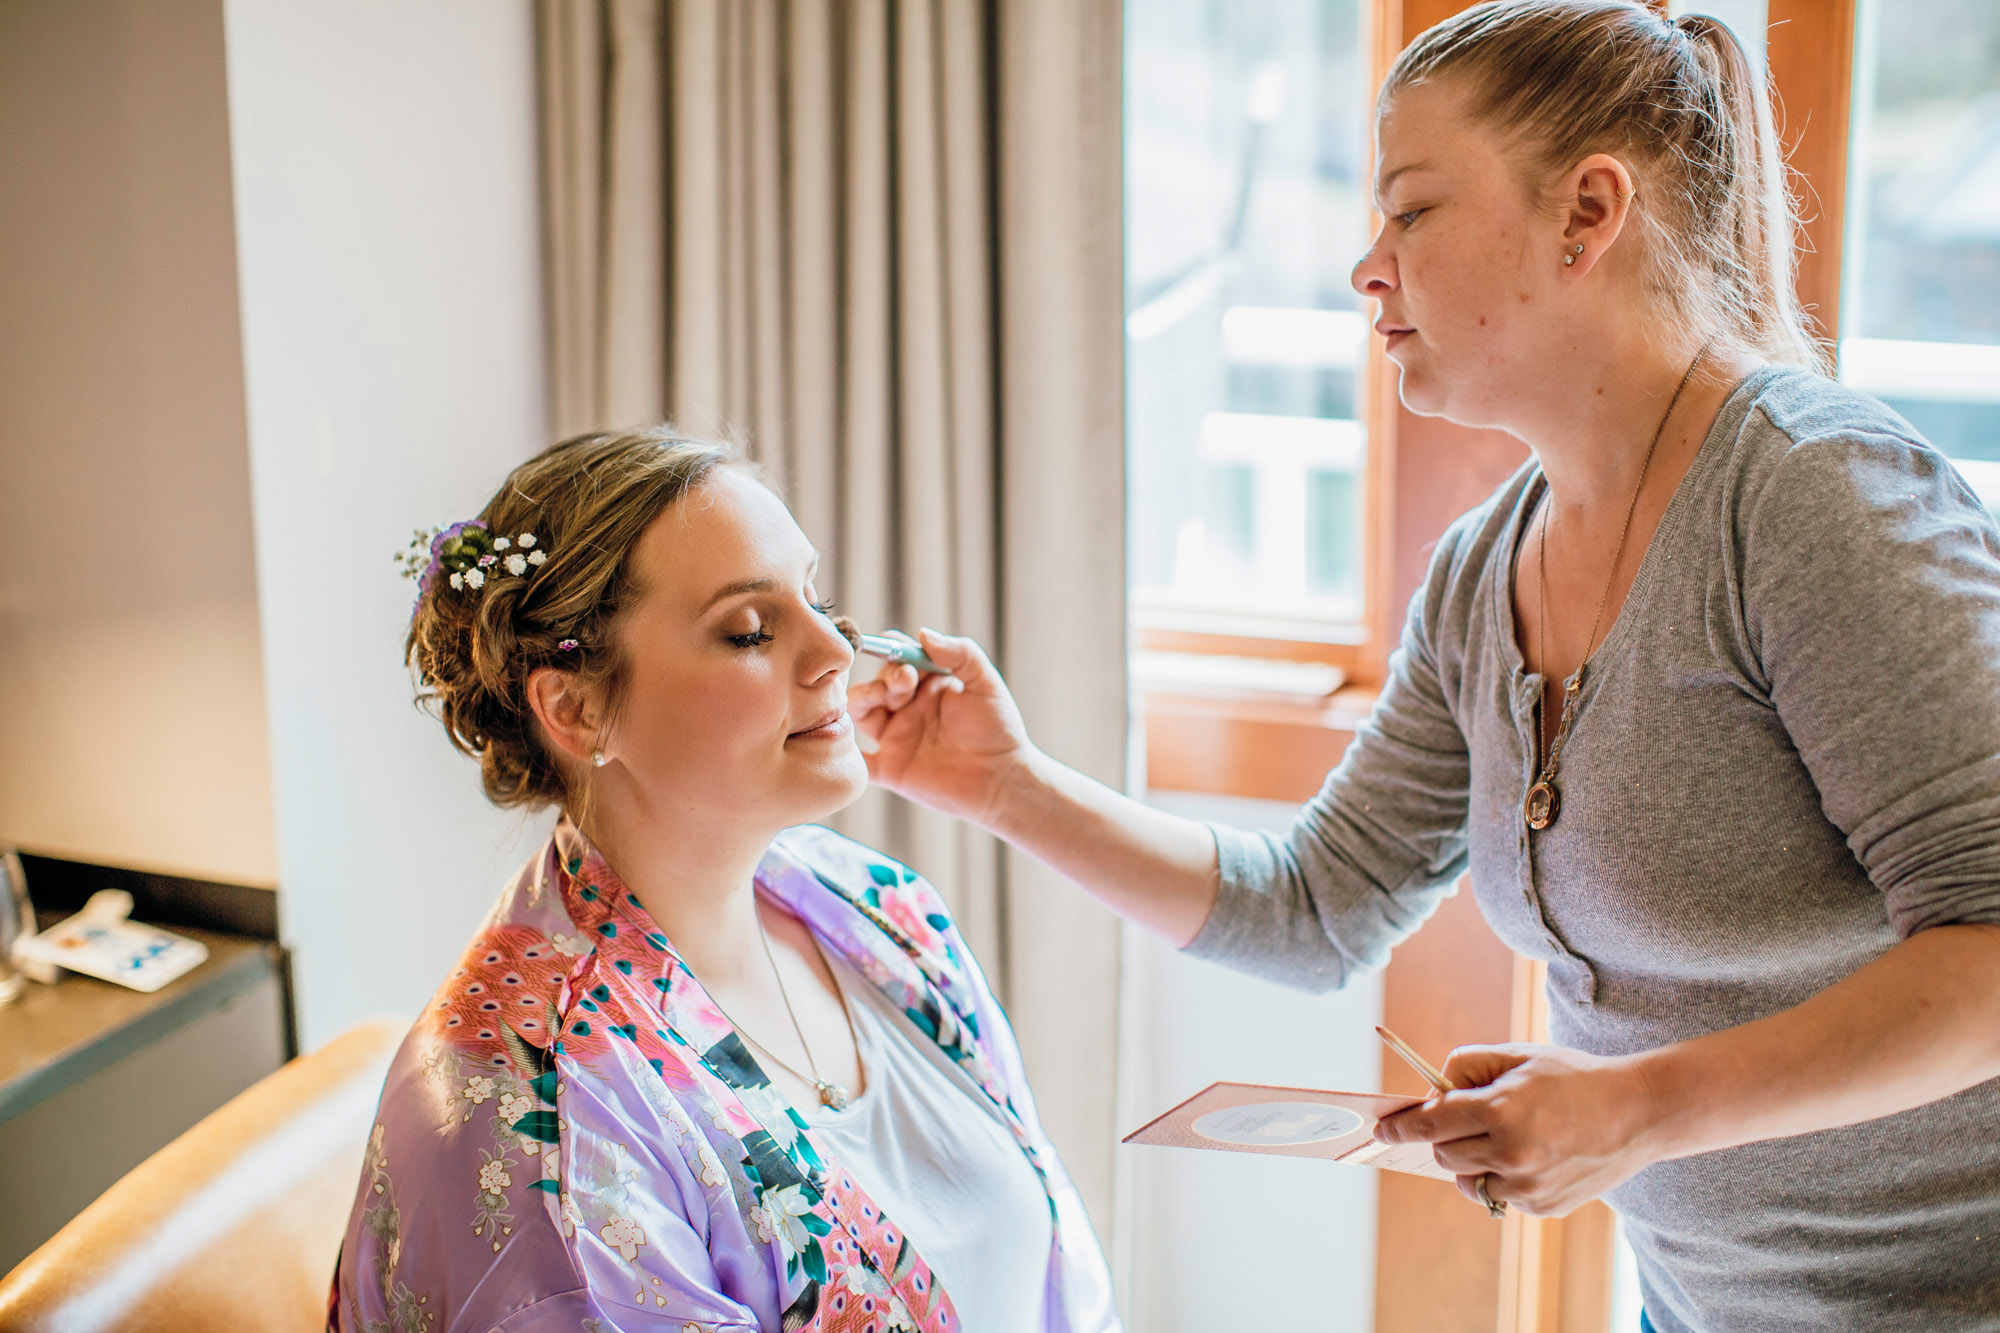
x=573, y=1137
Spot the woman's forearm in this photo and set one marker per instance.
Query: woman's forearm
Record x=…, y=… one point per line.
x=1554, y=1127
x=957, y=743
x=1919, y=1023
x=1146, y=865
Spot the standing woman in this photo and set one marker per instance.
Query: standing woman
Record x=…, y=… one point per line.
x=1707, y=697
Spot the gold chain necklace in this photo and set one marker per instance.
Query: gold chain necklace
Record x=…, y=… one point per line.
x=1544, y=800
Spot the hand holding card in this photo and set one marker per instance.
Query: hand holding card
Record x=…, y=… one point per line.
x=1293, y=1122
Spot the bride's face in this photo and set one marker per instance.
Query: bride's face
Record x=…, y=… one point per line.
x=733, y=708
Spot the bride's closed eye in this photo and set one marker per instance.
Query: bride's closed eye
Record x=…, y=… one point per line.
x=762, y=635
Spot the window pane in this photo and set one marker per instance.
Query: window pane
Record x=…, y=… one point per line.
x=1246, y=207
x=1921, y=301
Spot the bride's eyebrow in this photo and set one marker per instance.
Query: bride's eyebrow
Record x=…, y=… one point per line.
x=737, y=589
x=741, y=586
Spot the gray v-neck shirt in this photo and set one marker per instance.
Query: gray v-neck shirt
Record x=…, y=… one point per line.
x=1785, y=759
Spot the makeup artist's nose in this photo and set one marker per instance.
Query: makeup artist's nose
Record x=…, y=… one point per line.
x=1375, y=276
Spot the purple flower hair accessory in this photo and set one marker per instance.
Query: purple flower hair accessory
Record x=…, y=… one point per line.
x=465, y=555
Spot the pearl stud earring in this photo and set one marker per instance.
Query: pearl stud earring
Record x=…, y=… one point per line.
x=1570, y=258
x=597, y=757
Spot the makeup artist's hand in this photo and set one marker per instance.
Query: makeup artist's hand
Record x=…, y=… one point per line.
x=1552, y=1128
x=950, y=742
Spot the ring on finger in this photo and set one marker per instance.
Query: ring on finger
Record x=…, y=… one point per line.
x=1493, y=1208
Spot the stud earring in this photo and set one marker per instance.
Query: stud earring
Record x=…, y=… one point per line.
x=1570, y=258
x=597, y=758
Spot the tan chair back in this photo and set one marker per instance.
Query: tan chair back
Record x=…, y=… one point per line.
x=232, y=1226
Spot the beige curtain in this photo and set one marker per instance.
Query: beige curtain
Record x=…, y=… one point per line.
x=879, y=241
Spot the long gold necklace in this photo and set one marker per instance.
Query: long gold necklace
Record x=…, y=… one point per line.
x=1544, y=799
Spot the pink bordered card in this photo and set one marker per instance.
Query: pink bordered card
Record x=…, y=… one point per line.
x=1292, y=1122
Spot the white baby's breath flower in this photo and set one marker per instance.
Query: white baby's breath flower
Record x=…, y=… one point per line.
x=501, y=543
x=527, y=539
x=517, y=564
x=457, y=581
x=537, y=557
x=475, y=579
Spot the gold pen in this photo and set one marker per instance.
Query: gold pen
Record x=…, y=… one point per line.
x=1441, y=1085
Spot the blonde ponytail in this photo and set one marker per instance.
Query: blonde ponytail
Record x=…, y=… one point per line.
x=1753, y=209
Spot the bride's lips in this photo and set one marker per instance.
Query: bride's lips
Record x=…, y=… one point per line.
x=829, y=726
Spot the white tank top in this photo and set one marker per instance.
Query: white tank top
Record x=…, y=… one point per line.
x=931, y=1148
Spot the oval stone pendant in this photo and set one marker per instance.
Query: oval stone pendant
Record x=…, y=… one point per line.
x=1541, y=805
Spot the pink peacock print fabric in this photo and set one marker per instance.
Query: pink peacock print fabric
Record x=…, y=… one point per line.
x=573, y=1136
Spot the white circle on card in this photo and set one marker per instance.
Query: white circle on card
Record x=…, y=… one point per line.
x=1277, y=1124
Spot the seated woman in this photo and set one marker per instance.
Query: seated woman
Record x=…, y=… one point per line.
x=705, y=1066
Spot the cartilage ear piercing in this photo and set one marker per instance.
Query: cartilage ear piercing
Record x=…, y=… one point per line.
x=597, y=757
x=1570, y=258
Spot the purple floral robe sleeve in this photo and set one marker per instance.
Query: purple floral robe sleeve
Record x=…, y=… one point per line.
x=572, y=1137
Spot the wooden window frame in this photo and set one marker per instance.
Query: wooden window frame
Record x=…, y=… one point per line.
x=1441, y=1264
x=1244, y=745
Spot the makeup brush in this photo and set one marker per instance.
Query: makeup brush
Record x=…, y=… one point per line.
x=893, y=647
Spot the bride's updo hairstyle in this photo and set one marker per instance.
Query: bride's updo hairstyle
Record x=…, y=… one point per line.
x=585, y=502
x=1679, y=103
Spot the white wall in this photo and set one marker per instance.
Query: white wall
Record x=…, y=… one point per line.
x=386, y=222
x=132, y=723
x=1232, y=1240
